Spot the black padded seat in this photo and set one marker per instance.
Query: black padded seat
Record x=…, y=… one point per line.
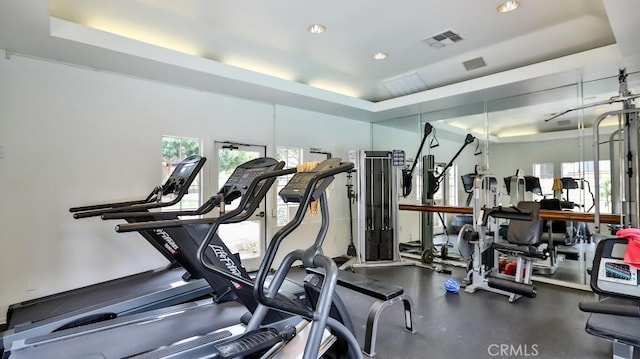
x=365, y=285
x=384, y=293
x=615, y=327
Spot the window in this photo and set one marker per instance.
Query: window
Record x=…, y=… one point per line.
x=453, y=186
x=292, y=157
x=585, y=178
x=448, y=186
x=544, y=172
x=174, y=150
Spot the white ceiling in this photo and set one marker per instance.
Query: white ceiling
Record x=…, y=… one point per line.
x=261, y=50
x=272, y=36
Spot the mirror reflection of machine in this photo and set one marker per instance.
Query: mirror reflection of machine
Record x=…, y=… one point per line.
x=377, y=193
x=433, y=178
x=626, y=162
x=519, y=186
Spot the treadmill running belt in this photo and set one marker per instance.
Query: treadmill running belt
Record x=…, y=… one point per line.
x=86, y=297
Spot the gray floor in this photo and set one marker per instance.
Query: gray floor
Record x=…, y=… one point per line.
x=476, y=325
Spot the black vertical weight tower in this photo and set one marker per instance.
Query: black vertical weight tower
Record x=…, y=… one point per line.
x=377, y=185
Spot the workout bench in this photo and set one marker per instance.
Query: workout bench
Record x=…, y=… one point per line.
x=385, y=294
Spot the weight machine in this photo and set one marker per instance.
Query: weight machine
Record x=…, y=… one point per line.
x=478, y=242
x=377, y=204
x=625, y=188
x=377, y=199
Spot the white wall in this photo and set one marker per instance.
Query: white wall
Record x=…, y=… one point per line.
x=73, y=136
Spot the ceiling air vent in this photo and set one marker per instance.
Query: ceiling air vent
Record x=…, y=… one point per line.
x=447, y=37
x=405, y=84
x=564, y=122
x=473, y=64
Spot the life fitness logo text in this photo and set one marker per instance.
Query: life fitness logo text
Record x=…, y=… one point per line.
x=512, y=351
x=224, y=257
x=169, y=243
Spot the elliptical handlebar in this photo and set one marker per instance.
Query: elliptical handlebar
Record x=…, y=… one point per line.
x=271, y=251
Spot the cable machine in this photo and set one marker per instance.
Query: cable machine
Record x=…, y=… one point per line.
x=377, y=205
x=626, y=185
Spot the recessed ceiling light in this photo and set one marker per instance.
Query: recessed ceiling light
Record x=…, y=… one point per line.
x=380, y=56
x=508, y=6
x=316, y=28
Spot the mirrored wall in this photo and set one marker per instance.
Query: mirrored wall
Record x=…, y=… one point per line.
x=536, y=133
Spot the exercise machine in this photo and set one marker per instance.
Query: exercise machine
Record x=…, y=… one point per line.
x=478, y=242
x=518, y=186
x=310, y=336
x=305, y=331
x=82, y=339
x=432, y=182
x=176, y=283
x=377, y=205
x=615, y=317
x=625, y=185
x=377, y=182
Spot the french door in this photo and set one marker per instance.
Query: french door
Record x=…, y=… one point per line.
x=247, y=238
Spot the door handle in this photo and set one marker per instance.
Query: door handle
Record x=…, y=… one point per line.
x=261, y=214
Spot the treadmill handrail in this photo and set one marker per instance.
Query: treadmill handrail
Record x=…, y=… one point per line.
x=153, y=200
x=207, y=207
x=108, y=205
x=233, y=216
x=132, y=208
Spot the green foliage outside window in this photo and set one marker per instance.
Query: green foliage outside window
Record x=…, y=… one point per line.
x=229, y=160
x=175, y=149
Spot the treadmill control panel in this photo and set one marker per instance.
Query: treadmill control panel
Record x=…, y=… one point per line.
x=183, y=174
x=243, y=176
x=294, y=190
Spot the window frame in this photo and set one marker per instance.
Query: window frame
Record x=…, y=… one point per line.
x=168, y=165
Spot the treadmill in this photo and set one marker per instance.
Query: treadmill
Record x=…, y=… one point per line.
x=123, y=296
x=156, y=328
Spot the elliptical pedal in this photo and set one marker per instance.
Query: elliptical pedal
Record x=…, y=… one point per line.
x=255, y=341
